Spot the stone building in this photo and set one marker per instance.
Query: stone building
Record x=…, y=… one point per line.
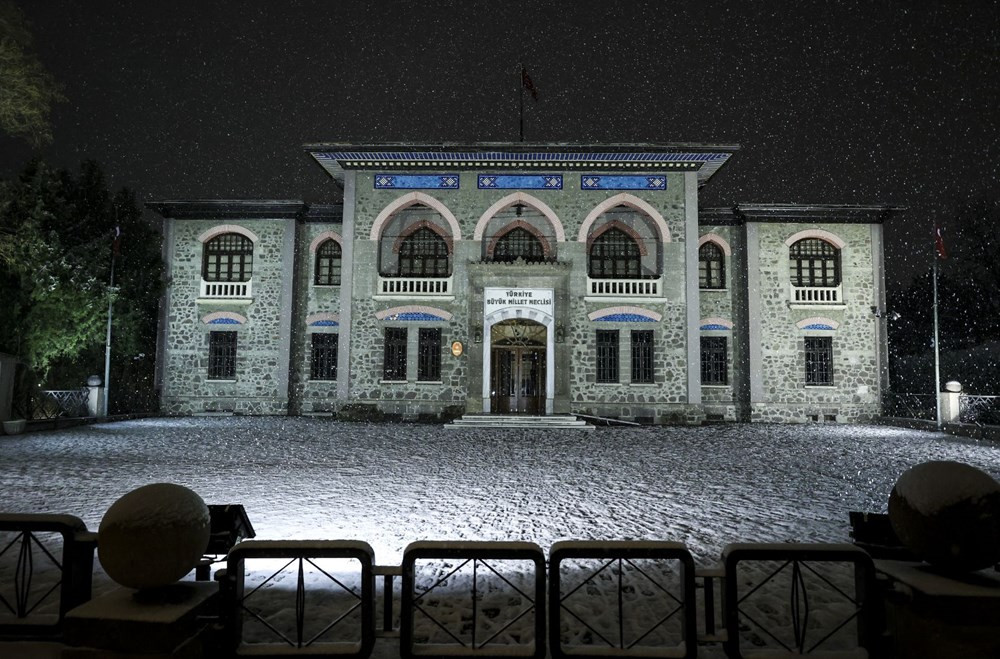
x=515, y=279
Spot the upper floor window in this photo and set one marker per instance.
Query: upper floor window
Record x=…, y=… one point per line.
x=813, y=262
x=423, y=253
x=328, y=264
x=227, y=257
x=615, y=255
x=711, y=266
x=518, y=243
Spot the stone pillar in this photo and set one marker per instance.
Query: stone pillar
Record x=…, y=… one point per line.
x=95, y=396
x=950, y=400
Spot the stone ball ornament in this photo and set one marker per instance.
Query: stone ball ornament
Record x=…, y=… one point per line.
x=948, y=514
x=153, y=535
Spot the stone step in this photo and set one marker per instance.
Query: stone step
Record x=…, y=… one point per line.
x=553, y=422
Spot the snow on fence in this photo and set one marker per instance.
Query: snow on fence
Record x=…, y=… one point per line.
x=485, y=599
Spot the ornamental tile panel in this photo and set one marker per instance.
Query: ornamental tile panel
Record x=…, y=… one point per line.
x=520, y=181
x=623, y=182
x=416, y=181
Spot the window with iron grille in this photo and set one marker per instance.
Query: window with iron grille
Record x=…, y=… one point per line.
x=614, y=255
x=227, y=257
x=642, y=356
x=814, y=262
x=328, y=264
x=423, y=253
x=394, y=362
x=324, y=357
x=819, y=360
x=518, y=243
x=429, y=354
x=607, y=355
x=714, y=360
x=221, y=355
x=711, y=266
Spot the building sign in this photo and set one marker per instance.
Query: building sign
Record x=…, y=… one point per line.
x=538, y=299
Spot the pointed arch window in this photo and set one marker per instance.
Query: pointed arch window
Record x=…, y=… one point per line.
x=518, y=243
x=813, y=262
x=711, y=266
x=328, y=260
x=615, y=255
x=227, y=257
x=423, y=253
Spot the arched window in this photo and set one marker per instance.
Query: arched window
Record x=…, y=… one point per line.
x=227, y=257
x=711, y=266
x=328, y=264
x=814, y=263
x=423, y=253
x=615, y=255
x=518, y=243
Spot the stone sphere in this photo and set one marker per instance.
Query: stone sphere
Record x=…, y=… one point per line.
x=94, y=381
x=948, y=514
x=153, y=536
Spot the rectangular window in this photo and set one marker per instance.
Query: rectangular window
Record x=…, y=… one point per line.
x=394, y=363
x=607, y=355
x=221, y=355
x=819, y=360
x=714, y=361
x=429, y=355
x=642, y=356
x=324, y=357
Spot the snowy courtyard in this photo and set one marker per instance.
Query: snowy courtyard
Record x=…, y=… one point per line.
x=390, y=485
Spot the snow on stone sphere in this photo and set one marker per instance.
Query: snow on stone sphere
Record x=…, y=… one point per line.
x=153, y=535
x=948, y=514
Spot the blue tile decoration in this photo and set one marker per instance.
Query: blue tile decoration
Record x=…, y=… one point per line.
x=520, y=181
x=416, y=181
x=415, y=316
x=324, y=323
x=714, y=326
x=623, y=182
x=624, y=318
x=818, y=326
x=224, y=321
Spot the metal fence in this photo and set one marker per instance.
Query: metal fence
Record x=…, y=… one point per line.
x=485, y=599
x=980, y=410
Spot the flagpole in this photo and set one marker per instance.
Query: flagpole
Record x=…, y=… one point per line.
x=937, y=347
x=520, y=87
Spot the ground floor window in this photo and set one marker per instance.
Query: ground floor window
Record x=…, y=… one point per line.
x=429, y=354
x=819, y=360
x=221, y=355
x=394, y=359
x=714, y=361
x=607, y=355
x=642, y=356
x=324, y=357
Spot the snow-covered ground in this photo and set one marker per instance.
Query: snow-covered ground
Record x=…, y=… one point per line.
x=390, y=485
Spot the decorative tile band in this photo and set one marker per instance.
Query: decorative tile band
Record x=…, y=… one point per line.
x=520, y=181
x=817, y=326
x=624, y=314
x=623, y=182
x=624, y=318
x=817, y=323
x=413, y=312
x=715, y=324
x=323, y=320
x=416, y=181
x=324, y=323
x=224, y=318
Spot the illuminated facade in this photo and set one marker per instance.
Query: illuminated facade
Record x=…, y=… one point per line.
x=524, y=279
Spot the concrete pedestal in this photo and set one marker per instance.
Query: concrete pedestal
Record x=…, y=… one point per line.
x=933, y=615
x=120, y=625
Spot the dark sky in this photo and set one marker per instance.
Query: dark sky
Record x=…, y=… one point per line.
x=832, y=102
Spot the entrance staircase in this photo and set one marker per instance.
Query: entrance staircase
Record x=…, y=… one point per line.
x=551, y=422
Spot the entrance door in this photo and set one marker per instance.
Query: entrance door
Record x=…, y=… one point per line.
x=517, y=368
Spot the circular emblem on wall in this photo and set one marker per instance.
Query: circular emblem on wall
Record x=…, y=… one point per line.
x=456, y=348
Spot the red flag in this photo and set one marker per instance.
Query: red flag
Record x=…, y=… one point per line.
x=942, y=252
x=528, y=84
x=116, y=243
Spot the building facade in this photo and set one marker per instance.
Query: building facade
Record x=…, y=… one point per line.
x=523, y=279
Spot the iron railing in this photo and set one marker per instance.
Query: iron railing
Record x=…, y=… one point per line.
x=980, y=410
x=27, y=606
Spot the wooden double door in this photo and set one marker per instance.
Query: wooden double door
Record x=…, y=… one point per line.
x=517, y=368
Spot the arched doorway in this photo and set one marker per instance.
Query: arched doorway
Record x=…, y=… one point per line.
x=518, y=367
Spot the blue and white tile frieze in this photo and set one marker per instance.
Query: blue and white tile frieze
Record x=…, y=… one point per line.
x=520, y=181
x=416, y=181
x=623, y=182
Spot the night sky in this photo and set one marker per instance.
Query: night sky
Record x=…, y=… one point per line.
x=832, y=102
